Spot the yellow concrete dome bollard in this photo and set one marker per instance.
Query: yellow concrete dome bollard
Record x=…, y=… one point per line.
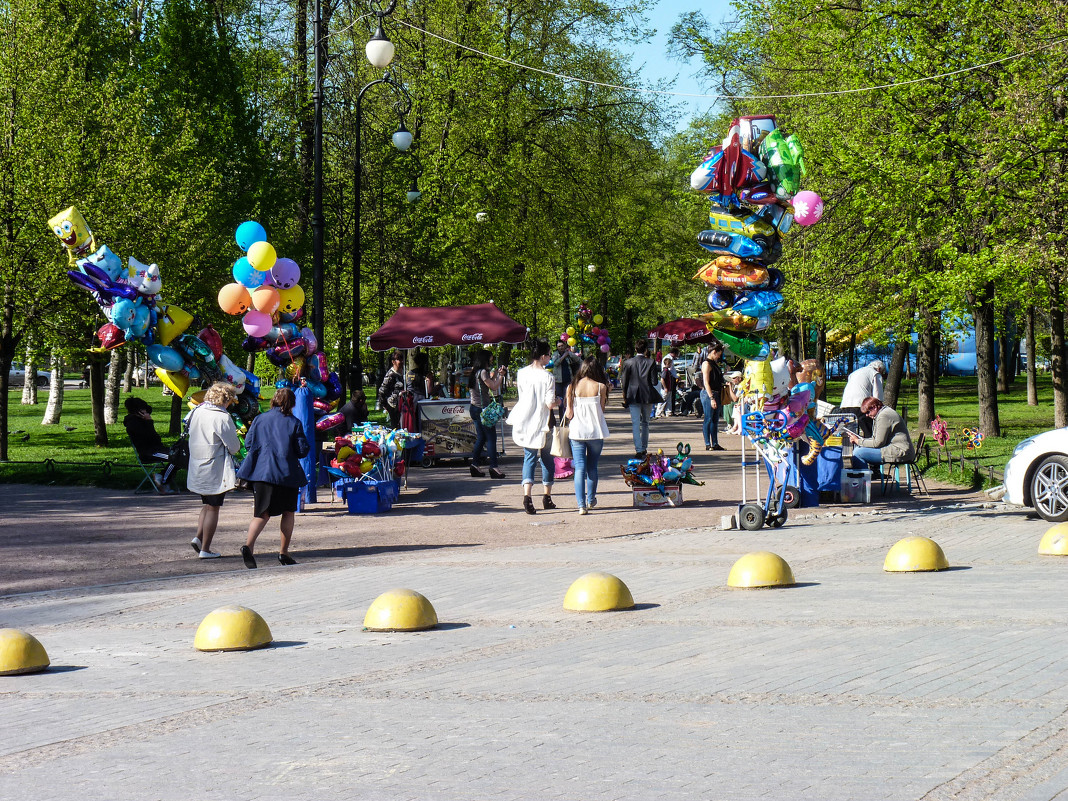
x=915, y=555
x=400, y=610
x=1055, y=541
x=598, y=592
x=21, y=652
x=232, y=628
x=760, y=569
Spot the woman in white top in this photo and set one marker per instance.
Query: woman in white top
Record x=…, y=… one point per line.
x=529, y=420
x=587, y=397
x=212, y=444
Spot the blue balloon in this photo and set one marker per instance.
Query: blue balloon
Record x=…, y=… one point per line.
x=166, y=358
x=248, y=234
x=247, y=275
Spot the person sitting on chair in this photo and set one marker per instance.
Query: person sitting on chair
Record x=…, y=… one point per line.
x=150, y=448
x=889, y=443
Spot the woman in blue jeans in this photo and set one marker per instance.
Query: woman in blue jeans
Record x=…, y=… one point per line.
x=712, y=375
x=529, y=420
x=482, y=384
x=587, y=397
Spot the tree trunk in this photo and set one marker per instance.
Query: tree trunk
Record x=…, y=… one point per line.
x=897, y=368
x=128, y=375
x=985, y=347
x=1007, y=351
x=54, y=409
x=851, y=364
x=174, y=427
x=1032, y=354
x=821, y=356
x=111, y=397
x=927, y=366
x=96, y=391
x=29, y=383
x=1056, y=355
x=565, y=287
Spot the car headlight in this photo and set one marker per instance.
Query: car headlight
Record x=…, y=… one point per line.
x=1022, y=445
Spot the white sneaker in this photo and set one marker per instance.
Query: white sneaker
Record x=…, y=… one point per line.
x=196, y=544
x=582, y=510
x=157, y=480
x=209, y=555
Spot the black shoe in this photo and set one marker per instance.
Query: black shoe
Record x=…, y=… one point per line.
x=248, y=558
x=528, y=505
x=718, y=448
x=708, y=447
x=495, y=473
x=547, y=502
x=476, y=472
x=286, y=559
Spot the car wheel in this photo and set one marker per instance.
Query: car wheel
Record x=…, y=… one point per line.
x=1049, y=489
x=42, y=381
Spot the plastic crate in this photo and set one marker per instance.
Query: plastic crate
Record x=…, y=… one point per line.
x=369, y=497
x=855, y=486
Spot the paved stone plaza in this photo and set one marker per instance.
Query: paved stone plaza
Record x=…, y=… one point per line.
x=856, y=684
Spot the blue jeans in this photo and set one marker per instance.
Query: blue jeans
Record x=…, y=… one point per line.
x=484, y=435
x=585, y=454
x=870, y=457
x=710, y=423
x=531, y=456
x=639, y=424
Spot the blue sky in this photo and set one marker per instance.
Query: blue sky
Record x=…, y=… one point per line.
x=653, y=58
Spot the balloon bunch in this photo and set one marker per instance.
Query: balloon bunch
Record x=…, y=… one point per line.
x=587, y=330
x=940, y=431
x=783, y=395
x=266, y=292
x=130, y=300
x=371, y=452
x=753, y=178
x=972, y=438
x=661, y=471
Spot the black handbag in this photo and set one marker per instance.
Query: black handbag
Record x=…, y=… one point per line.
x=179, y=453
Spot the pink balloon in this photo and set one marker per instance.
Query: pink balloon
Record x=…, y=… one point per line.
x=808, y=208
x=256, y=323
x=605, y=348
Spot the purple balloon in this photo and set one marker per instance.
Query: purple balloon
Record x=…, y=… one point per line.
x=311, y=344
x=284, y=275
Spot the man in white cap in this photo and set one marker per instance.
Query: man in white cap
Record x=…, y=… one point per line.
x=867, y=382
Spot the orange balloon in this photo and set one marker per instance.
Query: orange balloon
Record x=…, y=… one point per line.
x=265, y=299
x=234, y=299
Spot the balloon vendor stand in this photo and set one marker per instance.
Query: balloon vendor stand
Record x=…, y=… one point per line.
x=656, y=481
x=774, y=449
x=367, y=466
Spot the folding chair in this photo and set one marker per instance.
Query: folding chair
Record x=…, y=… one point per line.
x=912, y=471
x=148, y=471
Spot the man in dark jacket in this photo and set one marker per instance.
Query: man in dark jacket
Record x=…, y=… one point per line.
x=638, y=377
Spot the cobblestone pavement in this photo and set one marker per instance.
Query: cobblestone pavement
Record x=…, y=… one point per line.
x=856, y=684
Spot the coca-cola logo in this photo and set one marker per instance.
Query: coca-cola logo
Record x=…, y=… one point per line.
x=671, y=338
x=423, y=340
x=471, y=338
x=454, y=410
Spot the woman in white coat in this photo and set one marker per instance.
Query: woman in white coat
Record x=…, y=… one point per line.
x=212, y=444
x=529, y=420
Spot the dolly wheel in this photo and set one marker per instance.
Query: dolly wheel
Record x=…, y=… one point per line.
x=751, y=517
x=777, y=521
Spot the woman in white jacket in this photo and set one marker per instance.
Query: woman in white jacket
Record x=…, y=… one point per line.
x=529, y=420
x=212, y=443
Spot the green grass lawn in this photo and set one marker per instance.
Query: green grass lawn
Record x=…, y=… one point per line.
x=76, y=459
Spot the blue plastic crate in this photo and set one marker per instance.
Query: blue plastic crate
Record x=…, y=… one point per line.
x=368, y=498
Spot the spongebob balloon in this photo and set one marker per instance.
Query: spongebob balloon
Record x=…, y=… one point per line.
x=73, y=232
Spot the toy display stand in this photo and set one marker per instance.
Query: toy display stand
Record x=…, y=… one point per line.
x=650, y=498
x=782, y=494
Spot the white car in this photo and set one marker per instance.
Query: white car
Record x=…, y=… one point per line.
x=16, y=377
x=1037, y=475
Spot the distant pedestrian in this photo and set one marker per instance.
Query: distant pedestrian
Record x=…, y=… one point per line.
x=392, y=386
x=531, y=421
x=355, y=411
x=712, y=395
x=213, y=443
x=565, y=364
x=638, y=377
x=276, y=443
x=587, y=398
x=482, y=385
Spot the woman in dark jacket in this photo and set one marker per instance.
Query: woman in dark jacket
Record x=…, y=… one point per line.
x=276, y=443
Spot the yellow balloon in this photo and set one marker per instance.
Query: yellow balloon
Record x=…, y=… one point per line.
x=572, y=341
x=366, y=466
x=261, y=256
x=290, y=299
x=570, y=330
x=597, y=319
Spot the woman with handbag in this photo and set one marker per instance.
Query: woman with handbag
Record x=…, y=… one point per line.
x=530, y=422
x=587, y=398
x=485, y=411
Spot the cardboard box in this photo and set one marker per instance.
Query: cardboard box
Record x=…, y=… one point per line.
x=855, y=486
x=653, y=499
